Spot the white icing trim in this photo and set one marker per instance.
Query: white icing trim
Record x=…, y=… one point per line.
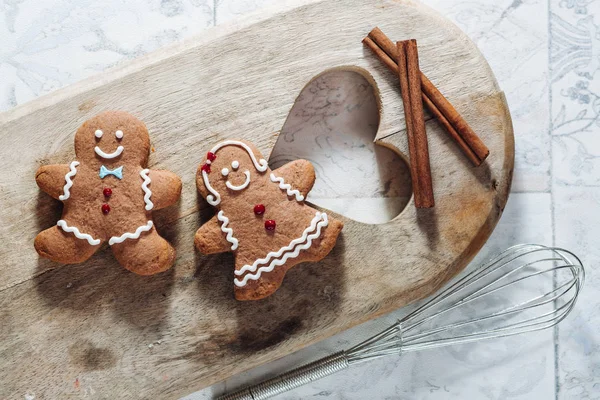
x=261, y=165
x=225, y=221
x=74, y=230
x=214, y=198
x=148, y=192
x=66, y=189
x=235, y=164
x=243, y=185
x=289, y=247
x=129, y=235
x=287, y=187
x=114, y=154
x=290, y=251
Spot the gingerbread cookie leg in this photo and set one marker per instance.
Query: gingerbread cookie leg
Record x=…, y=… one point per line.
x=148, y=255
x=63, y=247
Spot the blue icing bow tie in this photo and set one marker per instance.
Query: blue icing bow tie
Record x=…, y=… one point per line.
x=117, y=172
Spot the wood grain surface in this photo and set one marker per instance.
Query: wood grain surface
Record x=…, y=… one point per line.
x=119, y=335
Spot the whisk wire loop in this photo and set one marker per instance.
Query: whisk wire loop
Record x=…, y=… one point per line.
x=448, y=319
x=518, y=308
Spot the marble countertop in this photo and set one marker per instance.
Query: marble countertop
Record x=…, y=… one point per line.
x=545, y=54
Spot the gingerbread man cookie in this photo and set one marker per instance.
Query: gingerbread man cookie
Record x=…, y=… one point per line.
x=261, y=217
x=109, y=195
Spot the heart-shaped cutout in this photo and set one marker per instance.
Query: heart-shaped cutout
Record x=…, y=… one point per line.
x=333, y=124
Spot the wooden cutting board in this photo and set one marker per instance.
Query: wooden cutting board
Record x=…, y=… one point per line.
x=97, y=331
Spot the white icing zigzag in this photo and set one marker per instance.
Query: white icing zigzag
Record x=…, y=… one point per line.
x=74, y=230
x=287, y=187
x=225, y=221
x=148, y=192
x=66, y=189
x=319, y=221
x=129, y=235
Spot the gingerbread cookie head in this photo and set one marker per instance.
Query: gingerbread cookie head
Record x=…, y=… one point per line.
x=113, y=137
x=229, y=167
x=261, y=217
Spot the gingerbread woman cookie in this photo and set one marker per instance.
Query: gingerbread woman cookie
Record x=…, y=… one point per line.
x=109, y=195
x=261, y=217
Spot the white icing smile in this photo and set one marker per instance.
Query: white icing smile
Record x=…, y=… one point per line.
x=114, y=154
x=243, y=185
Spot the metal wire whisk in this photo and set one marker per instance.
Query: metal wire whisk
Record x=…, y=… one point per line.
x=523, y=289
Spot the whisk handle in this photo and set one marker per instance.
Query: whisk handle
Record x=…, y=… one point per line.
x=292, y=379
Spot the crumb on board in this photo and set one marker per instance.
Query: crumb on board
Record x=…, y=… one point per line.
x=151, y=345
x=76, y=384
x=30, y=396
x=87, y=105
x=153, y=149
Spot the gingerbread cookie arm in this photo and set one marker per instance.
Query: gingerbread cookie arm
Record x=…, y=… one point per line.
x=54, y=179
x=211, y=239
x=296, y=176
x=164, y=188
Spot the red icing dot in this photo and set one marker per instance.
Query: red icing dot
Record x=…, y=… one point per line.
x=206, y=168
x=211, y=156
x=105, y=208
x=270, y=225
x=259, y=209
x=107, y=192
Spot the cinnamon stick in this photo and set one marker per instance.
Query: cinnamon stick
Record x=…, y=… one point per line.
x=402, y=72
x=460, y=131
x=451, y=131
x=382, y=55
x=410, y=89
x=384, y=43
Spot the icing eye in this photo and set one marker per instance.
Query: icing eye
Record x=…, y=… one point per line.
x=119, y=134
x=235, y=164
x=224, y=172
x=98, y=133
